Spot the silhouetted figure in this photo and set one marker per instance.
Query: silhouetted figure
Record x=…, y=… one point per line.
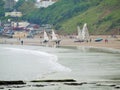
x=21, y=42
x=59, y=42
x=90, y=40
x=87, y=41
x=106, y=40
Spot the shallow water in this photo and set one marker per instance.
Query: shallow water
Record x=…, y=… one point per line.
x=82, y=64
x=25, y=63
x=89, y=65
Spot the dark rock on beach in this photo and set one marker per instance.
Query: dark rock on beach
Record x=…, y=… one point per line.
x=64, y=80
x=117, y=87
x=73, y=84
x=18, y=86
x=11, y=82
x=76, y=83
x=1, y=87
x=39, y=85
x=111, y=85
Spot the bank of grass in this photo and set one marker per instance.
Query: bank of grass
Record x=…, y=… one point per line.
x=101, y=19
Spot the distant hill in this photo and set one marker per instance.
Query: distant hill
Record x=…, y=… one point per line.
x=102, y=16
x=2, y=9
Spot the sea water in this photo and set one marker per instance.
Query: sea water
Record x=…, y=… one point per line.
x=84, y=64
x=92, y=64
x=27, y=63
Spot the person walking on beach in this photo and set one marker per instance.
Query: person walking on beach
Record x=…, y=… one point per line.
x=106, y=40
x=21, y=42
x=90, y=40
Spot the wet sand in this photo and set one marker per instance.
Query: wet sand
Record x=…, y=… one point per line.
x=112, y=42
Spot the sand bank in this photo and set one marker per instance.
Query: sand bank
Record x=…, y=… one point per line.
x=113, y=42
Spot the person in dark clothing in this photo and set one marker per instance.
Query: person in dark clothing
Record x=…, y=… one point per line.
x=21, y=42
x=59, y=42
x=106, y=40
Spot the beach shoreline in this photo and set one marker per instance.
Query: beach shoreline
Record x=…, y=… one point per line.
x=113, y=42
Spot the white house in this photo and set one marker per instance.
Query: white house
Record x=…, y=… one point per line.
x=13, y=14
x=44, y=3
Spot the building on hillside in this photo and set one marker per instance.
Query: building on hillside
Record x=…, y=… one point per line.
x=20, y=24
x=7, y=26
x=46, y=27
x=33, y=27
x=13, y=14
x=45, y=3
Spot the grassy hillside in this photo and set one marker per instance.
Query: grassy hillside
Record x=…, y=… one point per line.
x=101, y=19
x=102, y=16
x=1, y=9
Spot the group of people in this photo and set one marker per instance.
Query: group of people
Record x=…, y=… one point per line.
x=106, y=40
x=58, y=42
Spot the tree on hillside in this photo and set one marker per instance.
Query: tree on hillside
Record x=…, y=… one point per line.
x=32, y=1
x=2, y=8
x=19, y=4
x=27, y=7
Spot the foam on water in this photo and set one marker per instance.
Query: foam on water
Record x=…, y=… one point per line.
x=45, y=64
x=51, y=59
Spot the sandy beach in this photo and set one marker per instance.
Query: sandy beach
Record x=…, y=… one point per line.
x=113, y=42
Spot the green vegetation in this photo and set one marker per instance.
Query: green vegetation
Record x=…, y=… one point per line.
x=102, y=16
x=102, y=19
x=2, y=12
x=25, y=7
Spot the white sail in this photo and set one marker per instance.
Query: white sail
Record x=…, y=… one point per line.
x=85, y=33
x=79, y=33
x=54, y=37
x=45, y=36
